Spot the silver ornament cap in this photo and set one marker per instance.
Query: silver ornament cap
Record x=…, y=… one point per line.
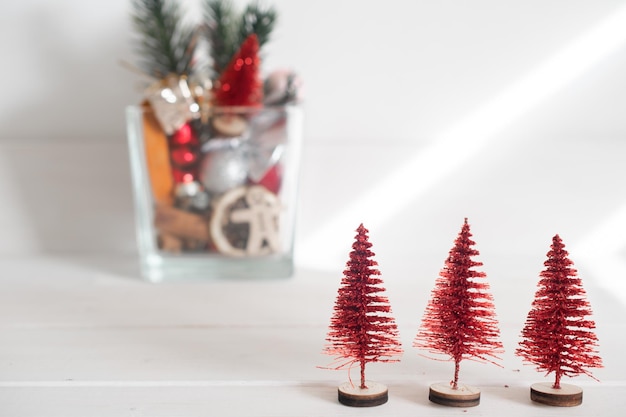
x=191, y=196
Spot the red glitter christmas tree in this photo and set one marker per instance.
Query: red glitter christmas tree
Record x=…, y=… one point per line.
x=557, y=336
x=460, y=317
x=362, y=329
x=240, y=83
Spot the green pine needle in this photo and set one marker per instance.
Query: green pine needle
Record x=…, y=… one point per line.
x=227, y=29
x=259, y=20
x=166, y=44
x=220, y=21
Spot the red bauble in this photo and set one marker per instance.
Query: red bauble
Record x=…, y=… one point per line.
x=184, y=152
x=185, y=135
x=181, y=175
x=183, y=156
x=240, y=83
x=273, y=178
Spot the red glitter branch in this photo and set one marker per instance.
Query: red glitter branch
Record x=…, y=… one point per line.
x=459, y=320
x=557, y=336
x=362, y=329
x=240, y=83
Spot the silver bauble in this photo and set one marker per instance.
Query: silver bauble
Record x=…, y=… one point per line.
x=223, y=169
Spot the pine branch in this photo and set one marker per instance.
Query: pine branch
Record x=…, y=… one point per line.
x=166, y=45
x=220, y=21
x=227, y=29
x=258, y=20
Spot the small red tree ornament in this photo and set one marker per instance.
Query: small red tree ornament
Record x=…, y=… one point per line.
x=459, y=320
x=558, y=336
x=240, y=83
x=362, y=329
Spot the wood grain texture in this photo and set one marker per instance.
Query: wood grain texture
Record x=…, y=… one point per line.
x=567, y=396
x=354, y=396
x=463, y=396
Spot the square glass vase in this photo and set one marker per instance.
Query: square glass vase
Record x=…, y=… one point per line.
x=216, y=198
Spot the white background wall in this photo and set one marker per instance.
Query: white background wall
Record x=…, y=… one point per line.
x=418, y=113
x=375, y=71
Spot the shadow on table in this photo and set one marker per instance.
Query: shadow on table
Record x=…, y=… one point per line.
x=324, y=391
x=412, y=392
x=515, y=394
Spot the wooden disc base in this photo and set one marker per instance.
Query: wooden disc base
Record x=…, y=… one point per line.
x=463, y=396
x=567, y=396
x=352, y=395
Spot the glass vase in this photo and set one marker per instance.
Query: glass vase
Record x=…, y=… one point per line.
x=216, y=197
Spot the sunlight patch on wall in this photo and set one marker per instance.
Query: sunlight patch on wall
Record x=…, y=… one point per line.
x=603, y=253
x=448, y=151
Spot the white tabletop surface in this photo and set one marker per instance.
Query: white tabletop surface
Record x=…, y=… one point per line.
x=419, y=113
x=82, y=335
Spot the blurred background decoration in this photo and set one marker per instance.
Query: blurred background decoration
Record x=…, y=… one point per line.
x=511, y=114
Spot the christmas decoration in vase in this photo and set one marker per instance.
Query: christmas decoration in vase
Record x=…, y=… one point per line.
x=459, y=321
x=558, y=334
x=214, y=149
x=362, y=329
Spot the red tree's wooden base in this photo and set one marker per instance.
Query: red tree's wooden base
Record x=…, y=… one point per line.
x=463, y=396
x=566, y=396
x=374, y=394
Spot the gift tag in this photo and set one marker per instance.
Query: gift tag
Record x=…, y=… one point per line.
x=172, y=102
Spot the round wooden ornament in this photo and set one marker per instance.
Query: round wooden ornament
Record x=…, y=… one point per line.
x=245, y=222
x=566, y=396
x=463, y=396
x=354, y=396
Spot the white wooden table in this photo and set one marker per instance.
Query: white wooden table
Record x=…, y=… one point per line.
x=82, y=335
x=78, y=339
